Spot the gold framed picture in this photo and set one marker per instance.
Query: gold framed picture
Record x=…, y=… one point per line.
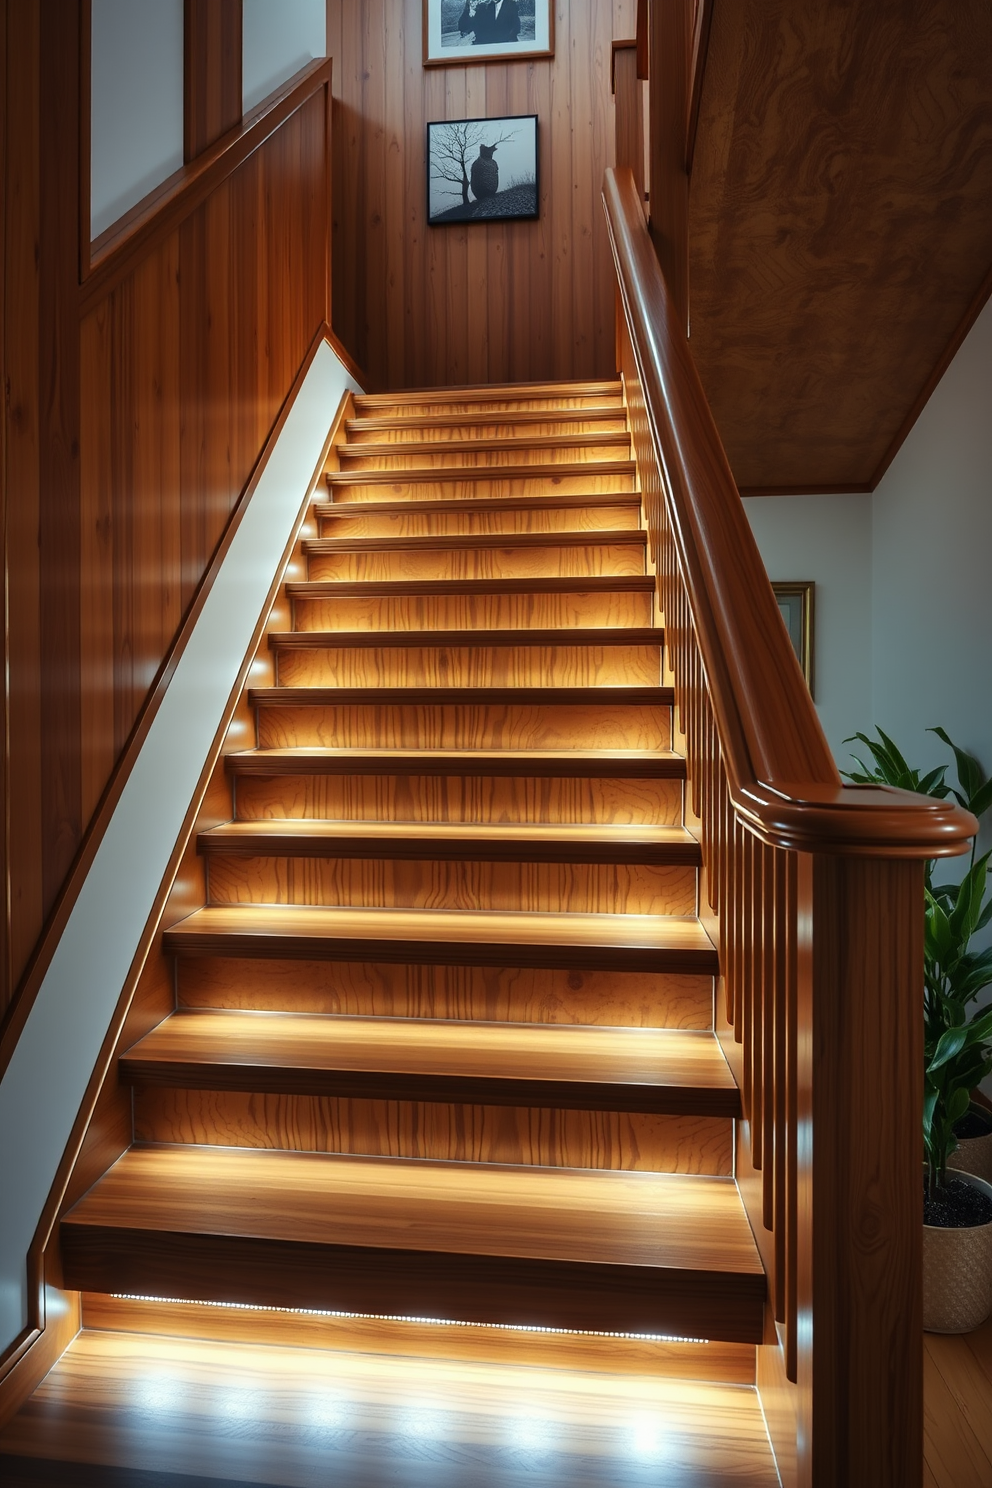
x=462, y=32
x=795, y=603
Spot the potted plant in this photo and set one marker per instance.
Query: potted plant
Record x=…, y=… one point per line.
x=957, y=1261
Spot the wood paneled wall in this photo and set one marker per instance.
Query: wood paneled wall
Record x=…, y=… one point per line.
x=422, y=306
x=139, y=400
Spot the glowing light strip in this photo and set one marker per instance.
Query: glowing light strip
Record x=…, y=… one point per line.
x=389, y=1317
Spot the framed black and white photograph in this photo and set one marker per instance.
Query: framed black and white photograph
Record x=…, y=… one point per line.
x=482, y=170
x=466, y=31
x=795, y=603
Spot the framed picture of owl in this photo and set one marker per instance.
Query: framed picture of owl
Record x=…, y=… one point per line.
x=482, y=170
x=460, y=32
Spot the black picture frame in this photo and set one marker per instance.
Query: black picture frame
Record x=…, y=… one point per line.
x=443, y=48
x=463, y=179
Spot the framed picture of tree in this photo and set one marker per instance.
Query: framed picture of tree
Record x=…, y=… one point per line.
x=465, y=31
x=482, y=170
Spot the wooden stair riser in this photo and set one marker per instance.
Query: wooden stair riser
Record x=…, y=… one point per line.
x=464, y=993
x=370, y=522
x=525, y=665
x=516, y=725
x=473, y=611
x=439, y=454
x=500, y=426
x=508, y=562
x=730, y=1363
x=449, y=1131
x=471, y=401
x=369, y=487
x=458, y=798
x=592, y=888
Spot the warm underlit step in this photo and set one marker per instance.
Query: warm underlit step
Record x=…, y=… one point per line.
x=476, y=843
x=608, y=942
x=491, y=555
x=604, y=657
x=531, y=449
x=481, y=514
x=484, y=423
x=291, y=1413
x=572, y=1068
x=463, y=717
x=502, y=396
x=625, y=1252
x=566, y=477
x=629, y=764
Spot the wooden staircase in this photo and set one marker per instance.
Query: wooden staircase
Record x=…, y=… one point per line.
x=443, y=1037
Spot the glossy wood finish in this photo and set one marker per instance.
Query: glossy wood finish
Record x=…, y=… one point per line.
x=818, y=319
x=472, y=303
x=170, y=366
x=370, y=1418
x=634, y=1252
x=579, y=1068
x=670, y=41
x=812, y=892
x=212, y=44
x=628, y=96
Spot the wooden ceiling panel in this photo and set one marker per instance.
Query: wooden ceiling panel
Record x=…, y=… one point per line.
x=840, y=223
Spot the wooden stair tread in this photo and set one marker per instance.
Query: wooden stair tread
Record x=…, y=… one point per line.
x=591, y=537
x=633, y=764
x=597, y=1217
x=495, y=392
x=566, y=502
x=352, y=588
x=587, y=697
x=451, y=937
x=308, y=837
x=360, y=1417
x=479, y=473
x=372, y=422
x=652, y=1070
x=486, y=445
x=604, y=635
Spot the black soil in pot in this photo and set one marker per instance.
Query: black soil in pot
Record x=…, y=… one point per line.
x=976, y=1122
x=956, y=1206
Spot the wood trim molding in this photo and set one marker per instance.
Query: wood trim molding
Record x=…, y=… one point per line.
x=212, y=46
x=697, y=68
x=24, y=997
x=643, y=48
x=117, y=251
x=855, y=489
x=783, y=781
x=630, y=45
x=978, y=303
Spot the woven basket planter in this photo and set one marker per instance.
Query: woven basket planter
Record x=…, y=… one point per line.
x=974, y=1154
x=957, y=1274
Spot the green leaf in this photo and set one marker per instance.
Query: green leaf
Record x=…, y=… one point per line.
x=933, y=784
x=951, y=1044
x=981, y=800
x=957, y=1104
x=971, y=776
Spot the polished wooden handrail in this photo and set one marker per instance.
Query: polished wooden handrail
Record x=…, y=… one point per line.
x=782, y=776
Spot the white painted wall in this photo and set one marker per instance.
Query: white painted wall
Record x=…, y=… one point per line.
x=44, y=1084
x=279, y=37
x=932, y=567
x=827, y=539
x=136, y=113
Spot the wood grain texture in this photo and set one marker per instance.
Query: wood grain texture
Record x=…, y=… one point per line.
x=212, y=45
x=606, y=999
x=421, y=1238
x=663, y=1072
x=368, y=1415
x=602, y=942
x=670, y=43
x=817, y=315
x=717, y=1363
x=474, y=302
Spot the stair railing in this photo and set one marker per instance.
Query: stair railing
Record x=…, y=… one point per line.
x=813, y=893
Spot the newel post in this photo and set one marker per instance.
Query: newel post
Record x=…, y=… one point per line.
x=860, y=1149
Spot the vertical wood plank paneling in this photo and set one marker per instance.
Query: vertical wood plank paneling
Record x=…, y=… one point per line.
x=421, y=306
x=130, y=430
x=58, y=448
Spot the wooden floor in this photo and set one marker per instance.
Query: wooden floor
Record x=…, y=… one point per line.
x=126, y=1409
x=957, y=1392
